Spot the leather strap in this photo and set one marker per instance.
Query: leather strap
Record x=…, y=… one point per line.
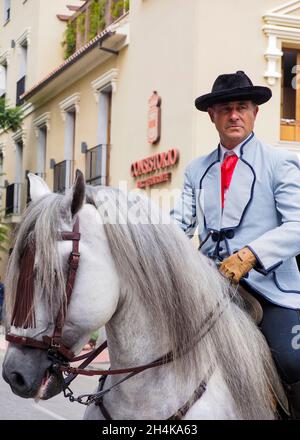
x=178, y=415
x=53, y=343
x=161, y=361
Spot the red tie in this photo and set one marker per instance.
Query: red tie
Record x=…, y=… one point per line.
x=227, y=169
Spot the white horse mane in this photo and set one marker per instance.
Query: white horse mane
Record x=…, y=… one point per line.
x=177, y=285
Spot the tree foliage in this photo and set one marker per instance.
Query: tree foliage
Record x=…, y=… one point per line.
x=10, y=117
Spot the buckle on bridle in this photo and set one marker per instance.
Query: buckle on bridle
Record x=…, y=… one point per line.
x=55, y=343
x=74, y=259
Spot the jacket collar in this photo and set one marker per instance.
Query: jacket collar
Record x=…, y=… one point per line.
x=239, y=194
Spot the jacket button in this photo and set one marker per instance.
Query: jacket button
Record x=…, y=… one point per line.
x=229, y=234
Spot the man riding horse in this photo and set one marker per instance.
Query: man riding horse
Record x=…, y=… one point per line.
x=245, y=199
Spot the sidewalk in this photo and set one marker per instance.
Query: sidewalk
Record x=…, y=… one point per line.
x=100, y=362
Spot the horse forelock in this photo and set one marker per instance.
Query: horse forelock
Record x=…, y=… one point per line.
x=39, y=226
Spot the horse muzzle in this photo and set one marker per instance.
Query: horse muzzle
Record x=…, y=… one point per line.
x=31, y=376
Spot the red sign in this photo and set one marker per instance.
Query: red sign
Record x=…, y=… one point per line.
x=154, y=117
x=154, y=180
x=156, y=162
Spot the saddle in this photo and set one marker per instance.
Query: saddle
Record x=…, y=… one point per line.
x=251, y=305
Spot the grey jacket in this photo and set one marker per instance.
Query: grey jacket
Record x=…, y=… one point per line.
x=262, y=211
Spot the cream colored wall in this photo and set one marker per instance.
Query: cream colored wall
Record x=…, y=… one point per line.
x=50, y=52
x=231, y=38
x=179, y=55
x=45, y=36
x=149, y=63
x=23, y=16
x=159, y=57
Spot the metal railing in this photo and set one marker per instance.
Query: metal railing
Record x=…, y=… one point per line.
x=20, y=90
x=93, y=17
x=13, y=199
x=63, y=172
x=97, y=165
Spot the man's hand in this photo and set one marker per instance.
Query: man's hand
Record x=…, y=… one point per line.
x=238, y=265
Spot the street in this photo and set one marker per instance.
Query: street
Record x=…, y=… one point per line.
x=13, y=407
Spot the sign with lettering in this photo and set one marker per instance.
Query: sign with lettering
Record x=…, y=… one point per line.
x=156, y=163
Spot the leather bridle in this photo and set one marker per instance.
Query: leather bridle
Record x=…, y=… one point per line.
x=53, y=344
x=62, y=356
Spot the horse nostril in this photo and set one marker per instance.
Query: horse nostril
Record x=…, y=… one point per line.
x=18, y=379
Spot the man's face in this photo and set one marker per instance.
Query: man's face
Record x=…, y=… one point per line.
x=233, y=120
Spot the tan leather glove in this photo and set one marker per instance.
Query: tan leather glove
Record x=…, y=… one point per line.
x=238, y=265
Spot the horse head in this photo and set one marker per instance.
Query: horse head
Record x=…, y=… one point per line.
x=46, y=222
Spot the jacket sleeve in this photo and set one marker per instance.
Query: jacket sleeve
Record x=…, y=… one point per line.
x=283, y=242
x=184, y=212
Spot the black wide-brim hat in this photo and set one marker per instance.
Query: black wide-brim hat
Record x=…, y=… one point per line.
x=233, y=87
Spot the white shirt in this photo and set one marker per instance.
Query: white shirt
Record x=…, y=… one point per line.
x=236, y=150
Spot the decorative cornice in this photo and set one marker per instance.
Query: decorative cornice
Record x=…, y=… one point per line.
x=5, y=57
x=24, y=38
x=69, y=103
x=279, y=25
x=20, y=135
x=109, y=78
x=40, y=121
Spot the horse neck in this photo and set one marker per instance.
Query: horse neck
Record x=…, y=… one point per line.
x=132, y=337
x=133, y=341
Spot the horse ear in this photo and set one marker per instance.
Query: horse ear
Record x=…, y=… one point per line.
x=78, y=193
x=38, y=187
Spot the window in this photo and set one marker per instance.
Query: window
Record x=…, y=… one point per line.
x=41, y=126
x=6, y=10
x=3, y=79
x=98, y=158
x=41, y=151
x=95, y=165
x=14, y=190
x=22, y=74
x=290, y=96
x=62, y=174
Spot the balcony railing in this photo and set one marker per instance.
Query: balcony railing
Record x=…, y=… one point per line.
x=13, y=199
x=20, y=90
x=63, y=172
x=97, y=165
x=91, y=19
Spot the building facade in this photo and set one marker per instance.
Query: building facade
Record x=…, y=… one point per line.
x=117, y=101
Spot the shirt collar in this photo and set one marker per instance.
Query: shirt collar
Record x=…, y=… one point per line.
x=236, y=150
